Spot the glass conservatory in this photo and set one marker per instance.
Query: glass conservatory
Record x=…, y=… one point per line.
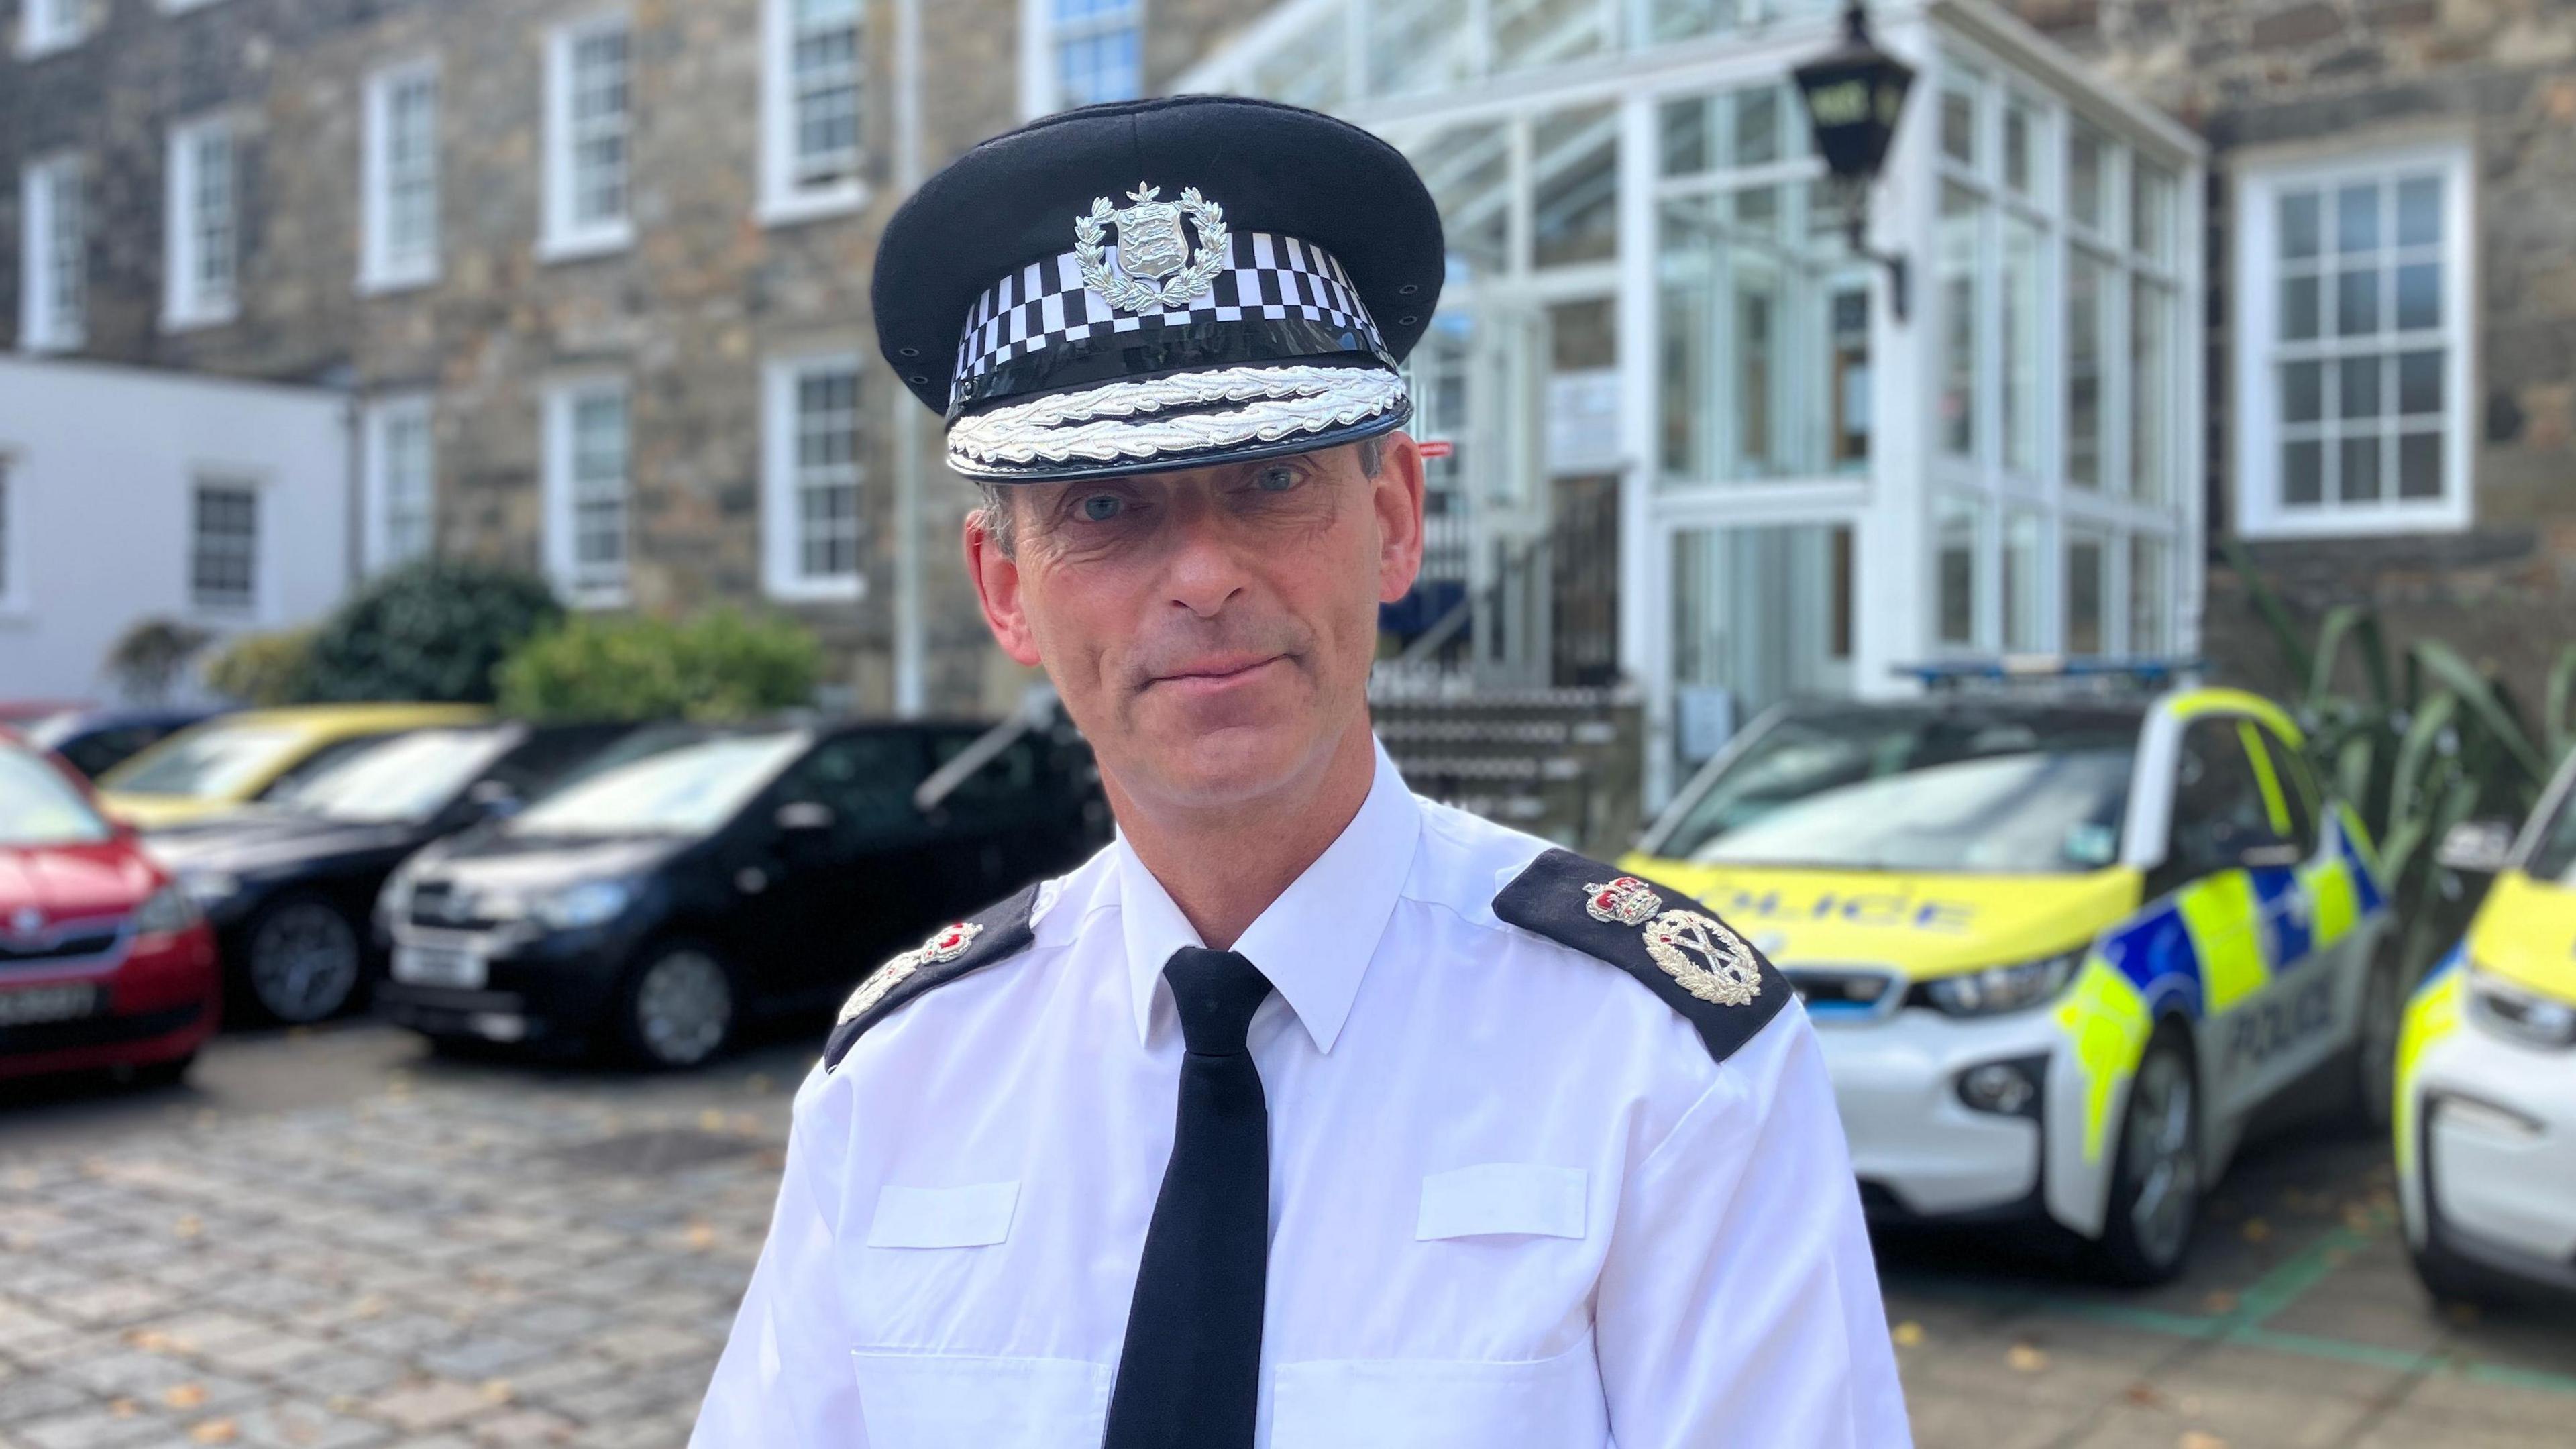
x=1694, y=443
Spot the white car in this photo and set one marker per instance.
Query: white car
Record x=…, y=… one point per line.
x=2060, y=948
x=2486, y=1107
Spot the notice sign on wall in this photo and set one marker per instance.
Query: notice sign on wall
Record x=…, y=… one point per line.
x=1583, y=421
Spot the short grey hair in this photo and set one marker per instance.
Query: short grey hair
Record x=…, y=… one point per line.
x=1000, y=522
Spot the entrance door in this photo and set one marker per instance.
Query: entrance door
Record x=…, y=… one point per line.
x=1761, y=614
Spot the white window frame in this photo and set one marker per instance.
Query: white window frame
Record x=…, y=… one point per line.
x=49, y=26
x=13, y=530
x=42, y=325
x=186, y=299
x=2257, y=481
x=783, y=198
x=382, y=416
x=1041, y=66
x=561, y=515
x=782, y=488
x=563, y=238
x=233, y=480
x=380, y=267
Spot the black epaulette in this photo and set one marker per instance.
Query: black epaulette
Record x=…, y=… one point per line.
x=1682, y=952
x=992, y=934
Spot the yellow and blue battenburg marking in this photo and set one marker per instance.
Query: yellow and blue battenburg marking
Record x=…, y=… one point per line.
x=2200, y=951
x=2432, y=1014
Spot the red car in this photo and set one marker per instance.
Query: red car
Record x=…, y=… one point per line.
x=104, y=962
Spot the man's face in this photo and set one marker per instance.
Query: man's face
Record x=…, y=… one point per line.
x=1211, y=631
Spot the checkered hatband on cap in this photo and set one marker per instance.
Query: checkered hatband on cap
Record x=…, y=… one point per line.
x=1268, y=277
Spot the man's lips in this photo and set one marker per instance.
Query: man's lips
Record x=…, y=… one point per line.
x=1207, y=672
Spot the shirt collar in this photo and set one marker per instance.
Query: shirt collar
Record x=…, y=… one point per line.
x=1314, y=942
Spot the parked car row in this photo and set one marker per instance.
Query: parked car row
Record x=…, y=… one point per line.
x=645, y=890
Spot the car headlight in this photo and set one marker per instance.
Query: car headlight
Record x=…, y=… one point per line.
x=591, y=903
x=2004, y=988
x=2520, y=1014
x=167, y=909
x=209, y=889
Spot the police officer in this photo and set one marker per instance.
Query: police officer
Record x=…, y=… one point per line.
x=1309, y=1114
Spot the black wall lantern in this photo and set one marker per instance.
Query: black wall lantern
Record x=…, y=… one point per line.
x=1854, y=94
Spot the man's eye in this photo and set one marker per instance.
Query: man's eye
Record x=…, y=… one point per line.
x=1275, y=480
x=1102, y=507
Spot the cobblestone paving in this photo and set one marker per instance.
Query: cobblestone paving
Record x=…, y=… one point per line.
x=444, y=1255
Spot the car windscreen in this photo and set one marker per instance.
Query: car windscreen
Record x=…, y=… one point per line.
x=407, y=777
x=1918, y=791
x=39, y=807
x=2555, y=858
x=663, y=783
x=209, y=762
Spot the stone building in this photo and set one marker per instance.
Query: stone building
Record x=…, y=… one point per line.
x=2392, y=328
x=2300, y=272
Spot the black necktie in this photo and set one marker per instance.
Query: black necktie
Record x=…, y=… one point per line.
x=1189, y=1376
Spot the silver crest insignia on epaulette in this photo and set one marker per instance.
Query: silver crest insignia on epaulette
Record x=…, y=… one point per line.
x=946, y=944
x=1710, y=961
x=1156, y=268
x=1626, y=901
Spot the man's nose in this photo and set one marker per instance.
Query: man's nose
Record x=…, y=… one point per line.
x=1206, y=571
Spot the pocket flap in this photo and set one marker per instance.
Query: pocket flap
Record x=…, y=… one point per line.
x=1502, y=1197
x=943, y=1217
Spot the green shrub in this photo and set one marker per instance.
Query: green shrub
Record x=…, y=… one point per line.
x=2431, y=742
x=263, y=670
x=147, y=659
x=433, y=630
x=719, y=665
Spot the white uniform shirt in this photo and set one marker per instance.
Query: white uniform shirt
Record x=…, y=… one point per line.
x=1514, y=1204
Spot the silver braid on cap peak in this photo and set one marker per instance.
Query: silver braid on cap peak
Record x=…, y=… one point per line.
x=1107, y=424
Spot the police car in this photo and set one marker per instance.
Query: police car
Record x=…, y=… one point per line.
x=2486, y=1105
x=2061, y=944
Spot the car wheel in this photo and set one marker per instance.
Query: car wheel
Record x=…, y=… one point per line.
x=2155, y=1180
x=2383, y=1009
x=677, y=1009
x=303, y=959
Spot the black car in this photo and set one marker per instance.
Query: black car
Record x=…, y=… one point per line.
x=289, y=880
x=696, y=877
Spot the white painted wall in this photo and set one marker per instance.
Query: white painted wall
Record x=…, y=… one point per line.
x=102, y=464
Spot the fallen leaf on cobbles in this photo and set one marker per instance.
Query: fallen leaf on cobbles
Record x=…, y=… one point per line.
x=2026, y=1358
x=2143, y=1395
x=150, y=1340
x=2220, y=1302
x=702, y=1236
x=214, y=1431
x=342, y=1403
x=496, y=1391
x=123, y=1408
x=184, y=1396
x=2256, y=1230
x=1907, y=1334
x=711, y=1120
x=2194, y=1439
x=368, y=1306
x=189, y=1225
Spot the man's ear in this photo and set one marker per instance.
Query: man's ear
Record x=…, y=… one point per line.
x=997, y=585
x=1396, y=494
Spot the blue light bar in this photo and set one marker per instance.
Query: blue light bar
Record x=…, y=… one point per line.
x=1940, y=673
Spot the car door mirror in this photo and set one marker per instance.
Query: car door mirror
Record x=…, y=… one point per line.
x=492, y=800
x=2475, y=847
x=804, y=819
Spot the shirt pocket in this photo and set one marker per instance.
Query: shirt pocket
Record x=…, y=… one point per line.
x=1552, y=1403
x=943, y=1217
x=1502, y=1198
x=941, y=1401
